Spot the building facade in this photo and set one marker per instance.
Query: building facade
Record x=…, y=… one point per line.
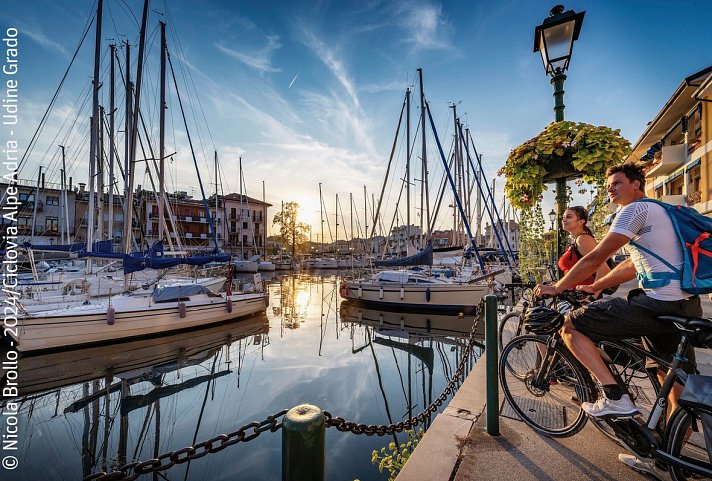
x=678, y=145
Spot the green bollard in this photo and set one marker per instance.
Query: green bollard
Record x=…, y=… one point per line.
x=492, y=351
x=304, y=444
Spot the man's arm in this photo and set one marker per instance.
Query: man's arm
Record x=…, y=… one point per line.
x=589, y=263
x=623, y=272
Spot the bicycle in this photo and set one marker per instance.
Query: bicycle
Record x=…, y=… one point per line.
x=547, y=405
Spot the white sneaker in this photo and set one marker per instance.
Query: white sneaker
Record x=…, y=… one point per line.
x=644, y=466
x=609, y=407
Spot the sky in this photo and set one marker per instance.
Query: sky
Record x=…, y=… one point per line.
x=310, y=93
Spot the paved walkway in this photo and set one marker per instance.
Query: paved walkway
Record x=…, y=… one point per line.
x=458, y=448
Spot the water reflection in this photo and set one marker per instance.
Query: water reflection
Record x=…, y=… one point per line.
x=93, y=409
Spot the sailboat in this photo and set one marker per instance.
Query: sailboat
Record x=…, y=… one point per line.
x=420, y=287
x=321, y=262
x=172, y=306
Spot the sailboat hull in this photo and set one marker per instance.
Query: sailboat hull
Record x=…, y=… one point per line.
x=135, y=318
x=446, y=297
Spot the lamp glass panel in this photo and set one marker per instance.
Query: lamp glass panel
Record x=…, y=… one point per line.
x=558, y=39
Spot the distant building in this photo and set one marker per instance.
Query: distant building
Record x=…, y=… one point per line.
x=678, y=143
x=510, y=229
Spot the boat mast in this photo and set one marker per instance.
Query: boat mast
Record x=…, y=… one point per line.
x=62, y=219
x=424, y=157
x=407, y=169
x=162, y=137
x=336, y=242
x=100, y=176
x=34, y=207
x=365, y=217
x=94, y=122
x=128, y=220
x=321, y=218
x=264, y=223
x=127, y=147
x=242, y=238
x=112, y=152
x=216, y=187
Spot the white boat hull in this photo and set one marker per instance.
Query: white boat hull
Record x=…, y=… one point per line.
x=433, y=297
x=245, y=266
x=321, y=264
x=140, y=317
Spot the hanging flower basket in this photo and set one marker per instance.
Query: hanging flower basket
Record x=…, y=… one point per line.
x=563, y=150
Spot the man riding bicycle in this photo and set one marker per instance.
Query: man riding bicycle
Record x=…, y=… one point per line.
x=649, y=226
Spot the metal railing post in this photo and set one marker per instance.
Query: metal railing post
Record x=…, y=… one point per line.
x=304, y=444
x=492, y=359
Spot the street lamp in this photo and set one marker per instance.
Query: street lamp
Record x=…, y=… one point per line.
x=554, y=39
x=552, y=218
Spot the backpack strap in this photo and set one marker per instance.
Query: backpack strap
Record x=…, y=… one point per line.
x=695, y=251
x=653, y=280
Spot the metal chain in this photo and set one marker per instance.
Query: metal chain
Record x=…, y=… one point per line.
x=165, y=461
x=168, y=460
x=387, y=429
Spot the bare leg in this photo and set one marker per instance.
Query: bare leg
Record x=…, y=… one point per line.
x=586, y=352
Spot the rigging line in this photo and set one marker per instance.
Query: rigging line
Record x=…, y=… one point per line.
x=43, y=121
x=200, y=181
x=186, y=77
x=195, y=90
x=131, y=12
x=68, y=118
x=400, y=374
x=388, y=169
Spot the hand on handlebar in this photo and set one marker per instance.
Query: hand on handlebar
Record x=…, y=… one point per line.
x=543, y=290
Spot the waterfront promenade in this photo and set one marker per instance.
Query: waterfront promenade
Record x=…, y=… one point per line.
x=458, y=448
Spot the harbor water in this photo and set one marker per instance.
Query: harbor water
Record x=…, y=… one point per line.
x=91, y=410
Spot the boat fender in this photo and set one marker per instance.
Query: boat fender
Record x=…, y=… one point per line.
x=380, y=293
x=360, y=291
x=344, y=289
x=229, y=304
x=110, y=316
x=380, y=320
x=402, y=324
x=402, y=293
x=181, y=309
x=427, y=294
x=428, y=325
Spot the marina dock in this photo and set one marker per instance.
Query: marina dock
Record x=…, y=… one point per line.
x=457, y=447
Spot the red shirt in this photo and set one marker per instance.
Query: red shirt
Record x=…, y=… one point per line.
x=570, y=257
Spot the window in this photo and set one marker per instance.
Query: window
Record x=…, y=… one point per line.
x=22, y=220
x=51, y=224
x=233, y=212
x=51, y=200
x=244, y=225
x=27, y=197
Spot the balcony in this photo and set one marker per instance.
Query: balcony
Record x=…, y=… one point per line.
x=673, y=157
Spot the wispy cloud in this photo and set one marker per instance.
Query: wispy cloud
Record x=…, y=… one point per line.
x=41, y=39
x=260, y=60
x=427, y=26
x=382, y=87
x=330, y=57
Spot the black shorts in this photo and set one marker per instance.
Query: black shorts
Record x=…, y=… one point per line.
x=615, y=318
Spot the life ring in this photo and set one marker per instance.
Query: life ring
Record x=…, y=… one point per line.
x=344, y=289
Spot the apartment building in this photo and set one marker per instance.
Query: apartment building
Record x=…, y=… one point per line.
x=678, y=145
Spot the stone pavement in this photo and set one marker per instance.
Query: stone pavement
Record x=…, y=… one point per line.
x=458, y=448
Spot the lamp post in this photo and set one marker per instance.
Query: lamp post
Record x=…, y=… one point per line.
x=554, y=39
x=552, y=218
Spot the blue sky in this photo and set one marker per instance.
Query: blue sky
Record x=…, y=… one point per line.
x=310, y=92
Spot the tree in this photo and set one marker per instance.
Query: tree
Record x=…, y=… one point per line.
x=292, y=232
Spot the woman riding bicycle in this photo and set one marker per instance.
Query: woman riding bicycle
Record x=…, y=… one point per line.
x=582, y=242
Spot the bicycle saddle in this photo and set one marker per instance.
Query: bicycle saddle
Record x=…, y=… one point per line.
x=689, y=323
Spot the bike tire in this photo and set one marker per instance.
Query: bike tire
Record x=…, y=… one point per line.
x=509, y=327
x=552, y=408
x=641, y=382
x=691, y=448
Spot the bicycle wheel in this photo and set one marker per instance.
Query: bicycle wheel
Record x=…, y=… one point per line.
x=641, y=382
x=509, y=327
x=687, y=443
x=544, y=392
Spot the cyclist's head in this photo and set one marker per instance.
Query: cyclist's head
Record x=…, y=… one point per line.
x=625, y=183
x=631, y=170
x=577, y=214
